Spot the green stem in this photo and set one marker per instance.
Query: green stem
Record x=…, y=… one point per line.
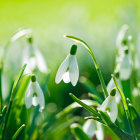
x=11, y=101
x=1, y=101
x=125, y=107
x=94, y=60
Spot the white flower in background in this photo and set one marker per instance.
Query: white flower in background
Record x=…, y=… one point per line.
x=125, y=66
x=110, y=106
x=137, y=54
x=89, y=127
x=34, y=95
x=33, y=58
x=136, y=61
x=111, y=85
x=68, y=70
x=99, y=131
x=20, y=34
x=121, y=35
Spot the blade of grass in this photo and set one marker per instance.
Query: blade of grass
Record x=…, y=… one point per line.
x=3, y=114
x=125, y=107
x=135, y=118
x=123, y=135
x=95, y=118
x=73, y=107
x=11, y=100
x=1, y=103
x=95, y=98
x=93, y=111
x=78, y=132
x=87, y=47
x=18, y=132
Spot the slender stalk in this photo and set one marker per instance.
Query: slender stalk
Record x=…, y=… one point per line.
x=11, y=101
x=94, y=61
x=1, y=100
x=125, y=107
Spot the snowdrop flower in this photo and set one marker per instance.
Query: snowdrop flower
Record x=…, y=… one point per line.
x=121, y=35
x=99, y=131
x=33, y=58
x=20, y=34
x=111, y=85
x=34, y=95
x=125, y=66
x=89, y=127
x=110, y=106
x=68, y=70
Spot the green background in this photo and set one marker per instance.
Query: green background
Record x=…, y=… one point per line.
x=95, y=21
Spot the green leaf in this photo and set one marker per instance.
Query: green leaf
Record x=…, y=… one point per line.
x=90, y=109
x=125, y=107
x=11, y=100
x=75, y=106
x=120, y=133
x=18, y=132
x=18, y=78
x=2, y=115
x=135, y=118
x=23, y=87
x=78, y=132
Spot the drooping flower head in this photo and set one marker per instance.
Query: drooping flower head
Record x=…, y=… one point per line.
x=111, y=85
x=34, y=95
x=110, y=106
x=33, y=58
x=125, y=65
x=68, y=70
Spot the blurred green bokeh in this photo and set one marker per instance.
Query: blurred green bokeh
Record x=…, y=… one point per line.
x=95, y=21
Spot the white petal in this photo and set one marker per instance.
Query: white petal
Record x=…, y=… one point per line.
x=112, y=85
x=89, y=127
x=113, y=110
x=66, y=77
x=40, y=96
x=104, y=105
x=73, y=70
x=32, y=63
x=20, y=34
x=121, y=35
x=62, y=69
x=35, y=101
x=110, y=103
x=40, y=62
x=125, y=68
x=99, y=131
x=28, y=96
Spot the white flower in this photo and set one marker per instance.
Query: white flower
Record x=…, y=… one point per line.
x=110, y=107
x=68, y=70
x=99, y=132
x=34, y=96
x=20, y=34
x=34, y=59
x=125, y=67
x=89, y=127
x=111, y=85
x=121, y=35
